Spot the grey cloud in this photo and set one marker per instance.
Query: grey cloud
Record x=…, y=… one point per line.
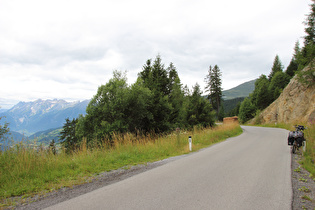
x=85, y=50
x=44, y=53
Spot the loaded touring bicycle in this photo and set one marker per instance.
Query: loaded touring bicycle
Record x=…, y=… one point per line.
x=296, y=138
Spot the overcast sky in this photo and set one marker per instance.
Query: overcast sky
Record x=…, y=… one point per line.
x=67, y=49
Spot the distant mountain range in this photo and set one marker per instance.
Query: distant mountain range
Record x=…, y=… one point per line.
x=30, y=117
x=3, y=110
x=240, y=91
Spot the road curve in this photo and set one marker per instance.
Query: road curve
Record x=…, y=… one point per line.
x=250, y=171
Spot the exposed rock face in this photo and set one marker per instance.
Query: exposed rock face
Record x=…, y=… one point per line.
x=295, y=104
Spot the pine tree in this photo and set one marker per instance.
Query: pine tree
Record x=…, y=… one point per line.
x=308, y=51
x=146, y=73
x=156, y=79
x=176, y=97
x=172, y=77
x=67, y=135
x=293, y=66
x=199, y=111
x=277, y=84
x=310, y=26
x=307, y=55
x=297, y=50
x=160, y=77
x=4, y=129
x=276, y=67
x=213, y=87
x=52, y=147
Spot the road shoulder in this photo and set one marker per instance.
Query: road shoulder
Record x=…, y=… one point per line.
x=302, y=184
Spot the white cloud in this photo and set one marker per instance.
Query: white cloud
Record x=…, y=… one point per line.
x=66, y=49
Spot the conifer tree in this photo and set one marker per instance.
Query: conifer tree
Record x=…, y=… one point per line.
x=276, y=67
x=213, y=87
x=146, y=73
x=199, y=111
x=67, y=135
x=307, y=55
x=52, y=147
x=297, y=50
x=176, y=97
x=172, y=77
x=160, y=77
x=293, y=66
x=156, y=79
x=310, y=26
x=3, y=129
x=277, y=84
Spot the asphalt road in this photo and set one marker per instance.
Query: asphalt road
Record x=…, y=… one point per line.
x=251, y=171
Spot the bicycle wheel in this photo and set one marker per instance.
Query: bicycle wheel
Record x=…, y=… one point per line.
x=294, y=147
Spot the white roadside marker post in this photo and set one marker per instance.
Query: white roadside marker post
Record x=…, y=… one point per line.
x=190, y=146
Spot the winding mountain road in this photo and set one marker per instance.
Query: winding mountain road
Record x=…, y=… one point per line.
x=250, y=171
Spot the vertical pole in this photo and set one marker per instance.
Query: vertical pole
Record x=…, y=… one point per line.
x=177, y=134
x=190, y=144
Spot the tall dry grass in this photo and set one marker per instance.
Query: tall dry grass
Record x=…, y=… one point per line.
x=309, y=154
x=26, y=171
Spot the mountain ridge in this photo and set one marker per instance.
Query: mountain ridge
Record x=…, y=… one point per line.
x=41, y=115
x=240, y=91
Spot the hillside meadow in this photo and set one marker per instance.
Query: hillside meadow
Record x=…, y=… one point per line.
x=26, y=171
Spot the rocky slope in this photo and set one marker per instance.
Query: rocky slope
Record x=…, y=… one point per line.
x=296, y=104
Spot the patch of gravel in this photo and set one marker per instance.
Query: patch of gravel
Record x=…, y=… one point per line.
x=302, y=184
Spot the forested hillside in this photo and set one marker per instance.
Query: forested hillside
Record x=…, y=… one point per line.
x=232, y=106
x=242, y=90
x=233, y=98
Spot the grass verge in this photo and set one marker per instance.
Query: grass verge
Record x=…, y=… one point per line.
x=25, y=171
x=308, y=161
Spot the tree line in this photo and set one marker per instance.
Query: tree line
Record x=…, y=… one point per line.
x=268, y=89
x=156, y=103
